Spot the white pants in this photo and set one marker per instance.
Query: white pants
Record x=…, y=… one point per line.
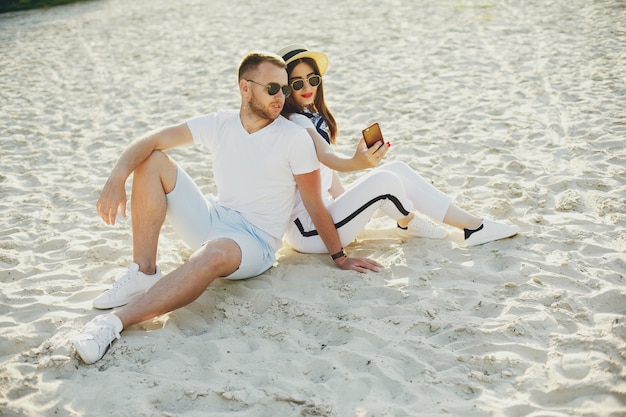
x=393, y=188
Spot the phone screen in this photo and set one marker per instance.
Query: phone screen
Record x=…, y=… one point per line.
x=372, y=134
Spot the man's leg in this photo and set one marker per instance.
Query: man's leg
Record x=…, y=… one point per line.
x=220, y=257
x=153, y=179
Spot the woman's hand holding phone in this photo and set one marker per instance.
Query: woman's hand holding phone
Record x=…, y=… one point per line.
x=365, y=157
x=374, y=142
x=373, y=135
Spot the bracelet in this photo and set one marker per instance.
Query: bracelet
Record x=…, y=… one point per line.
x=340, y=254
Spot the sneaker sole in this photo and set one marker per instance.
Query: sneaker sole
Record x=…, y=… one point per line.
x=104, y=306
x=441, y=236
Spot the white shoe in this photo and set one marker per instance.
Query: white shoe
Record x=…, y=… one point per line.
x=422, y=227
x=488, y=232
x=97, y=337
x=128, y=285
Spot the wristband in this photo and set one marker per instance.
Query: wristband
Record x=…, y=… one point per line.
x=340, y=254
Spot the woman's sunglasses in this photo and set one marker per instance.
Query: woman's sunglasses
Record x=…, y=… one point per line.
x=313, y=80
x=274, y=88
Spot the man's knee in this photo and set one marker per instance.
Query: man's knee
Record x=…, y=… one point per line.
x=161, y=165
x=222, y=256
x=156, y=160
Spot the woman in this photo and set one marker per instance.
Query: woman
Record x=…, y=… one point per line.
x=394, y=188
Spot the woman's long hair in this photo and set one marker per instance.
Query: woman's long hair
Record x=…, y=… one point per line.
x=319, y=105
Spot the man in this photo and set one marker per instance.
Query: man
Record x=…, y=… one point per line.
x=259, y=158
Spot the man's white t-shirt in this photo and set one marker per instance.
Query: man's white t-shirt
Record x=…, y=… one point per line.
x=254, y=173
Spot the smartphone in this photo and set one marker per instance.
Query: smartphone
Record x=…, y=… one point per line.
x=372, y=135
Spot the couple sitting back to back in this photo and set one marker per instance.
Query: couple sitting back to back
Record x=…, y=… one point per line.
x=270, y=185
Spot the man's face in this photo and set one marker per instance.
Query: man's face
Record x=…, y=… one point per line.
x=259, y=101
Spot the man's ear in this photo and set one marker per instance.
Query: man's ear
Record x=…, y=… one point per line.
x=243, y=86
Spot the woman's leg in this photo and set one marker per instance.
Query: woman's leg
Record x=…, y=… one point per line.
x=353, y=209
x=431, y=201
x=425, y=197
x=460, y=218
x=396, y=190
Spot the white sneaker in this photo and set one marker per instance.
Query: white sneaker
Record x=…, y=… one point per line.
x=97, y=337
x=488, y=232
x=422, y=227
x=128, y=285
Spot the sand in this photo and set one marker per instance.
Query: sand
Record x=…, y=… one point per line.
x=516, y=108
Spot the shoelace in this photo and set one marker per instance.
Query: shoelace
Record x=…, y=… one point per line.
x=103, y=334
x=423, y=224
x=120, y=282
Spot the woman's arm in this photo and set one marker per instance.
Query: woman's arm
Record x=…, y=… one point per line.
x=363, y=158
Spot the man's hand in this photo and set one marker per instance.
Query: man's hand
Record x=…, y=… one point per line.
x=357, y=264
x=112, y=197
x=309, y=186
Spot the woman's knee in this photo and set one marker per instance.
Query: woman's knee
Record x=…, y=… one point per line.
x=384, y=182
x=398, y=167
x=406, y=174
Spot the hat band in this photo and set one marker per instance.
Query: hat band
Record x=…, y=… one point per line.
x=291, y=54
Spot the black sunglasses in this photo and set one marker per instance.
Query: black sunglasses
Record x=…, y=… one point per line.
x=313, y=80
x=274, y=88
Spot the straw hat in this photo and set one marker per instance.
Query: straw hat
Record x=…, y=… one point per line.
x=297, y=50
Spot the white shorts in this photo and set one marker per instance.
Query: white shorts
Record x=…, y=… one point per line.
x=198, y=220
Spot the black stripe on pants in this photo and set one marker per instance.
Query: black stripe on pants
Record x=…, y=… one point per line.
x=345, y=221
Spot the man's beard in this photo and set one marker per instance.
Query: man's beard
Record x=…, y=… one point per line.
x=260, y=111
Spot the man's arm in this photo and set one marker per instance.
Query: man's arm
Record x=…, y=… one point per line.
x=113, y=195
x=309, y=186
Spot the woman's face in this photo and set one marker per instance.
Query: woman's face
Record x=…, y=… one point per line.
x=306, y=96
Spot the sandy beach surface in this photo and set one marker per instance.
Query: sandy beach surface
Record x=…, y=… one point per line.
x=516, y=108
